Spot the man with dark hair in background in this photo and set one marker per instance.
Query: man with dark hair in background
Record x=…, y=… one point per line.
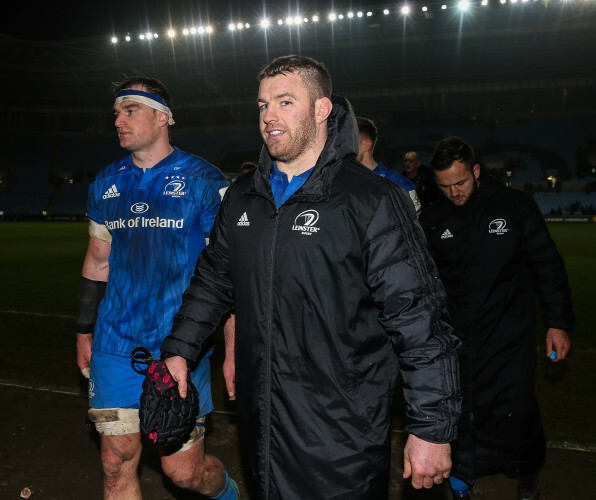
x=422, y=177
x=367, y=139
x=150, y=215
x=325, y=266
x=494, y=254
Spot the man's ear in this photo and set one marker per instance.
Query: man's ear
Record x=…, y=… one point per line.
x=163, y=118
x=323, y=107
x=476, y=171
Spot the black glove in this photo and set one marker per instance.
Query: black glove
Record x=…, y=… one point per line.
x=165, y=418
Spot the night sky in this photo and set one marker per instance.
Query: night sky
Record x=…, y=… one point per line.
x=51, y=21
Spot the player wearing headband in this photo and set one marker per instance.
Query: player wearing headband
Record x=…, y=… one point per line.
x=150, y=215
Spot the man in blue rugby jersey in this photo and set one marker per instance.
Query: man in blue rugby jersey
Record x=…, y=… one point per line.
x=367, y=138
x=150, y=215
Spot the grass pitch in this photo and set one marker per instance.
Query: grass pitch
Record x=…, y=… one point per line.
x=40, y=265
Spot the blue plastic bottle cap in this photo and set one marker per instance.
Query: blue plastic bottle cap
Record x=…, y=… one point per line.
x=553, y=355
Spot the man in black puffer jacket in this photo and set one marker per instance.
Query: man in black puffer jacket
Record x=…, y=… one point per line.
x=494, y=254
x=334, y=292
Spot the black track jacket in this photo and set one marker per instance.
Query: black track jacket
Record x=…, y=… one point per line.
x=494, y=256
x=333, y=293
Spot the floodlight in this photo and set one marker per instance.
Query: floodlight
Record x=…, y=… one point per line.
x=503, y=1
x=443, y=7
x=332, y=16
x=280, y=21
x=463, y=5
x=405, y=10
x=350, y=15
x=185, y=31
x=315, y=19
x=114, y=39
x=209, y=29
x=513, y=1
x=306, y=19
x=247, y=25
x=485, y=2
x=231, y=26
x=265, y=23
x=201, y=30
x=155, y=35
x=369, y=14
x=341, y=16
x=149, y=35
x=359, y=13
x=424, y=9
x=171, y=33
x=298, y=20
x=240, y=26
x=386, y=12
x=289, y=21
x=142, y=37
x=127, y=38
x=193, y=30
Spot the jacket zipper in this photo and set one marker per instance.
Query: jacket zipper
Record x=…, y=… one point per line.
x=274, y=215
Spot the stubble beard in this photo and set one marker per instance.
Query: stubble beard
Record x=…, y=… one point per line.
x=302, y=138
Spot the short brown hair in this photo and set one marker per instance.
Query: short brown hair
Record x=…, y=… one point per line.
x=367, y=128
x=313, y=73
x=450, y=150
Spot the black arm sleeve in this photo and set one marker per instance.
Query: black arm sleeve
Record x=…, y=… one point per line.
x=206, y=300
x=91, y=294
x=404, y=282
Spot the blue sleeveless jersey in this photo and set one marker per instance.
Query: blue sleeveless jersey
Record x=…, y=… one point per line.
x=159, y=220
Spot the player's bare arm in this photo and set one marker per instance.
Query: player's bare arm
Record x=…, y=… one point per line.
x=94, y=277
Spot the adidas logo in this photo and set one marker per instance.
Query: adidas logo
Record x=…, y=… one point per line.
x=111, y=193
x=446, y=234
x=243, y=221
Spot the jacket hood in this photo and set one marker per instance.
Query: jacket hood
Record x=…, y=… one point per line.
x=342, y=141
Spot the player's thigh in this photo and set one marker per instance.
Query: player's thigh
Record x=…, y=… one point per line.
x=185, y=460
x=121, y=449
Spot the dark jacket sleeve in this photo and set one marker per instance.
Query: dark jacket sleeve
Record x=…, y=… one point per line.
x=206, y=300
x=546, y=267
x=405, y=286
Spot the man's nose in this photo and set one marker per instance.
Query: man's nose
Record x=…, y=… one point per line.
x=269, y=115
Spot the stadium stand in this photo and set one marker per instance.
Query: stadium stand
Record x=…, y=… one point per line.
x=566, y=203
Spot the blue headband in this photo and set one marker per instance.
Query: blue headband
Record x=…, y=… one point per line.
x=147, y=98
x=142, y=93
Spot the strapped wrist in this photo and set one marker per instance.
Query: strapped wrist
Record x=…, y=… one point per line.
x=91, y=293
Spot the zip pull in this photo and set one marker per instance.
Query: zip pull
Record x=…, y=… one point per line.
x=274, y=214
